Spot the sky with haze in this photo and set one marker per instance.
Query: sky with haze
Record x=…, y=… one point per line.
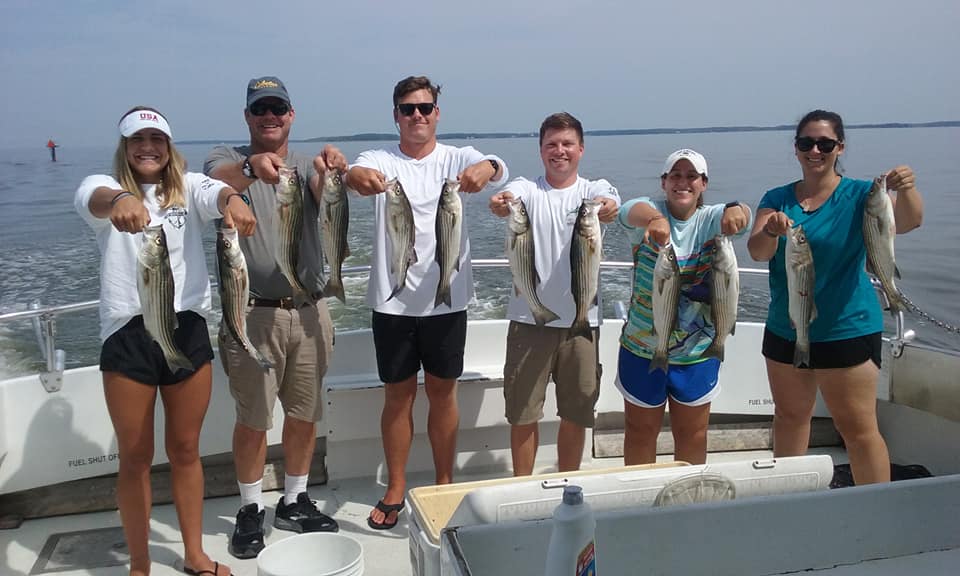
x=71, y=68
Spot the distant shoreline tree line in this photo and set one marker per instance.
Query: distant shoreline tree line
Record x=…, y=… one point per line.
x=377, y=136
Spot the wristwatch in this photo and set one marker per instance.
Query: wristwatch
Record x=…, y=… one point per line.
x=247, y=169
x=731, y=204
x=495, y=164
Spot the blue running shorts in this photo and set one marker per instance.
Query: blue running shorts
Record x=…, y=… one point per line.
x=690, y=384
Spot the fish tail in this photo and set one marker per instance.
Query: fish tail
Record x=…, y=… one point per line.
x=715, y=350
x=443, y=295
x=261, y=359
x=334, y=288
x=897, y=304
x=581, y=327
x=544, y=315
x=801, y=355
x=301, y=298
x=396, y=290
x=659, y=361
x=177, y=361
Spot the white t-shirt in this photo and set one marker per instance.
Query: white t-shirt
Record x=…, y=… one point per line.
x=553, y=212
x=422, y=181
x=183, y=226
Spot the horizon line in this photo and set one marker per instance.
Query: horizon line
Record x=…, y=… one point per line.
x=469, y=135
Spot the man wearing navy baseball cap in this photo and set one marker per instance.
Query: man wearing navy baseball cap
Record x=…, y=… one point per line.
x=266, y=87
x=295, y=335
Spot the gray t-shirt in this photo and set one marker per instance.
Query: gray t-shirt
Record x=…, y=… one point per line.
x=266, y=280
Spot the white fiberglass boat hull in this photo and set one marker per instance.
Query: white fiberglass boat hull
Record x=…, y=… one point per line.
x=48, y=438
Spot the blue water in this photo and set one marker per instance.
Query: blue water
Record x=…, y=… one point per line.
x=48, y=254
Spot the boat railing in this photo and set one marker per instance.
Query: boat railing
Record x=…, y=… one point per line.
x=44, y=318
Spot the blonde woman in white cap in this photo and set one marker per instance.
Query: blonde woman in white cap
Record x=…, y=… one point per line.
x=149, y=186
x=689, y=380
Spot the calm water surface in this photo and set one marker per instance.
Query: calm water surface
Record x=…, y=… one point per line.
x=48, y=254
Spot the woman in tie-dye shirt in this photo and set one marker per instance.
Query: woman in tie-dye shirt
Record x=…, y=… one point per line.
x=690, y=381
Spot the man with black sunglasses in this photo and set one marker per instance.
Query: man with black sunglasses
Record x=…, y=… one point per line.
x=297, y=338
x=410, y=330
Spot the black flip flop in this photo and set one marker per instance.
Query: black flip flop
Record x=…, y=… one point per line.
x=192, y=572
x=386, y=509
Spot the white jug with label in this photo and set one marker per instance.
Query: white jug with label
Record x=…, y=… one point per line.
x=571, y=551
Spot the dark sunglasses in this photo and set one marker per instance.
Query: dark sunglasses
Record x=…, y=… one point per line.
x=260, y=108
x=824, y=145
x=425, y=108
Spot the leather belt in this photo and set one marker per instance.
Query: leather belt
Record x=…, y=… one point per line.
x=284, y=303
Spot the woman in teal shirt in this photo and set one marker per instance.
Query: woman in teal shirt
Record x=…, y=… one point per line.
x=845, y=343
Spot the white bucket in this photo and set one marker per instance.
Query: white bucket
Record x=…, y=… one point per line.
x=312, y=554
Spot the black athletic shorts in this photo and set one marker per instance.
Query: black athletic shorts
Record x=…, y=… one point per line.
x=833, y=354
x=133, y=353
x=404, y=343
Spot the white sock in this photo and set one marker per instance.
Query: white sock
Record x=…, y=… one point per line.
x=251, y=494
x=292, y=486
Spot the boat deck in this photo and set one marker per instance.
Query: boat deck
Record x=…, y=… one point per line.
x=386, y=553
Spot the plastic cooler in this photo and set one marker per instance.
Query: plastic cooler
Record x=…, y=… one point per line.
x=433, y=508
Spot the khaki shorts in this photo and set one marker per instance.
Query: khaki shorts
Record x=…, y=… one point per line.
x=299, y=344
x=534, y=353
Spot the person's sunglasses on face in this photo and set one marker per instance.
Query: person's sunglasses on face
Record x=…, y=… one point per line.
x=425, y=108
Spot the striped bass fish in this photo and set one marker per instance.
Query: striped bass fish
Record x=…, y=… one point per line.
x=520, y=252
x=449, y=225
x=879, y=229
x=156, y=290
x=800, y=284
x=665, y=300
x=586, y=250
x=335, y=218
x=724, y=294
x=403, y=235
x=288, y=228
x=234, y=287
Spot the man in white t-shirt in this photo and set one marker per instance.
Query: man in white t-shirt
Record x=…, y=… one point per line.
x=413, y=328
x=535, y=352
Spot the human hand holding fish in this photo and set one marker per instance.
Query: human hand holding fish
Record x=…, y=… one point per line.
x=366, y=181
x=476, y=176
x=777, y=225
x=500, y=203
x=330, y=158
x=907, y=203
x=238, y=215
x=266, y=166
x=901, y=179
x=734, y=219
x=657, y=230
x=608, y=209
x=128, y=214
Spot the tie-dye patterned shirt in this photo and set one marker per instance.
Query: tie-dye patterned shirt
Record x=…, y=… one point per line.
x=693, y=242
